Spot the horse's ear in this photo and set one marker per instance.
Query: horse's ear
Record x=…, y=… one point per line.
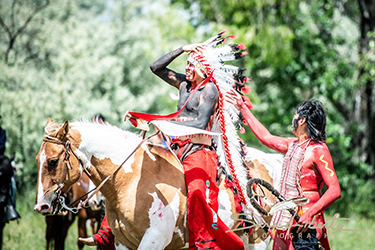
x=63, y=131
x=49, y=122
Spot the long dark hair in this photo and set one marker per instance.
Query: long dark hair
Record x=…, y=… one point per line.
x=315, y=116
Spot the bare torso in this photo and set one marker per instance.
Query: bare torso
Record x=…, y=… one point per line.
x=192, y=110
x=201, y=107
x=311, y=179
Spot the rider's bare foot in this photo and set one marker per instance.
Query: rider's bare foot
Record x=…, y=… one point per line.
x=87, y=241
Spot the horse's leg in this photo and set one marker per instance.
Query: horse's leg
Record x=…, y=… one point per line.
x=58, y=233
x=92, y=225
x=162, y=223
x=49, y=229
x=82, y=230
x=65, y=222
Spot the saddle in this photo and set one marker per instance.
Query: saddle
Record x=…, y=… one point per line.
x=189, y=148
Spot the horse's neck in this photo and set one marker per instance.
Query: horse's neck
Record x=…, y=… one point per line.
x=99, y=142
x=103, y=149
x=110, y=189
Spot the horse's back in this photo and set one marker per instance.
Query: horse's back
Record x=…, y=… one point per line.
x=267, y=165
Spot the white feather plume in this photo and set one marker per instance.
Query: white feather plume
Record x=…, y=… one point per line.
x=287, y=204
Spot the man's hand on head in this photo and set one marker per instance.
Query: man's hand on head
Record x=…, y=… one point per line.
x=195, y=47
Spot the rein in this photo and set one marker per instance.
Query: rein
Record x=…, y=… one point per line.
x=68, y=151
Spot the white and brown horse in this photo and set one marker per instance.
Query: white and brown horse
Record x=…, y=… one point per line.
x=145, y=198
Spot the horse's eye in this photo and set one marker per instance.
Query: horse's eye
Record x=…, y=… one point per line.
x=52, y=164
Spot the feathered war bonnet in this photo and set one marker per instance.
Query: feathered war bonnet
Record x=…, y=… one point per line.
x=226, y=77
x=215, y=55
x=212, y=61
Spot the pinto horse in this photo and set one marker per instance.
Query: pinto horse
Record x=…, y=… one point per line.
x=145, y=194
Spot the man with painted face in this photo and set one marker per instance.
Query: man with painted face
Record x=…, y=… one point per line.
x=206, y=230
x=307, y=166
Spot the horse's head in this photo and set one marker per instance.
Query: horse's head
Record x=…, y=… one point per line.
x=58, y=166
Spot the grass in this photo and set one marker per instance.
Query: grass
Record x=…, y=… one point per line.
x=29, y=231
x=352, y=233
x=349, y=233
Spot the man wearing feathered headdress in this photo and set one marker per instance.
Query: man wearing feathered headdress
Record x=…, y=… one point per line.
x=202, y=109
x=196, y=152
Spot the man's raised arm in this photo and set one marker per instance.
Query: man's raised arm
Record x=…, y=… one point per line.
x=159, y=67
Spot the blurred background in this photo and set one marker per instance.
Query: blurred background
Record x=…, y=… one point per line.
x=72, y=59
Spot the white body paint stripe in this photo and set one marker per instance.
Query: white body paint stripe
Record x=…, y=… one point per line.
x=162, y=223
x=207, y=195
x=318, y=146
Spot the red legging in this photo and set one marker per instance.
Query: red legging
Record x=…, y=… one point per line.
x=206, y=229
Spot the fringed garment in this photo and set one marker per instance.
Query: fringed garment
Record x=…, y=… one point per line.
x=290, y=183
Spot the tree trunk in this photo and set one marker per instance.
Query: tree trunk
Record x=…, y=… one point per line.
x=364, y=108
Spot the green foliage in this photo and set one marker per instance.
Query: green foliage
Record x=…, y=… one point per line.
x=368, y=61
x=75, y=59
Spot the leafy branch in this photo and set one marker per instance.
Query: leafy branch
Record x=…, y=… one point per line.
x=13, y=34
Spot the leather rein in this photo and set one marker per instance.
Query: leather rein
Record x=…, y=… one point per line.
x=68, y=151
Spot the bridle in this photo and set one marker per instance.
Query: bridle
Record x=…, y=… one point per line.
x=68, y=151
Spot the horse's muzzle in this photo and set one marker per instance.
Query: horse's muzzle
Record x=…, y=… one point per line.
x=46, y=205
x=43, y=208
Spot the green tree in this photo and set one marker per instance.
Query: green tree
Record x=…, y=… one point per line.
x=69, y=60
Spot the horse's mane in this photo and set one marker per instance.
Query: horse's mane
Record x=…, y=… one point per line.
x=104, y=127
